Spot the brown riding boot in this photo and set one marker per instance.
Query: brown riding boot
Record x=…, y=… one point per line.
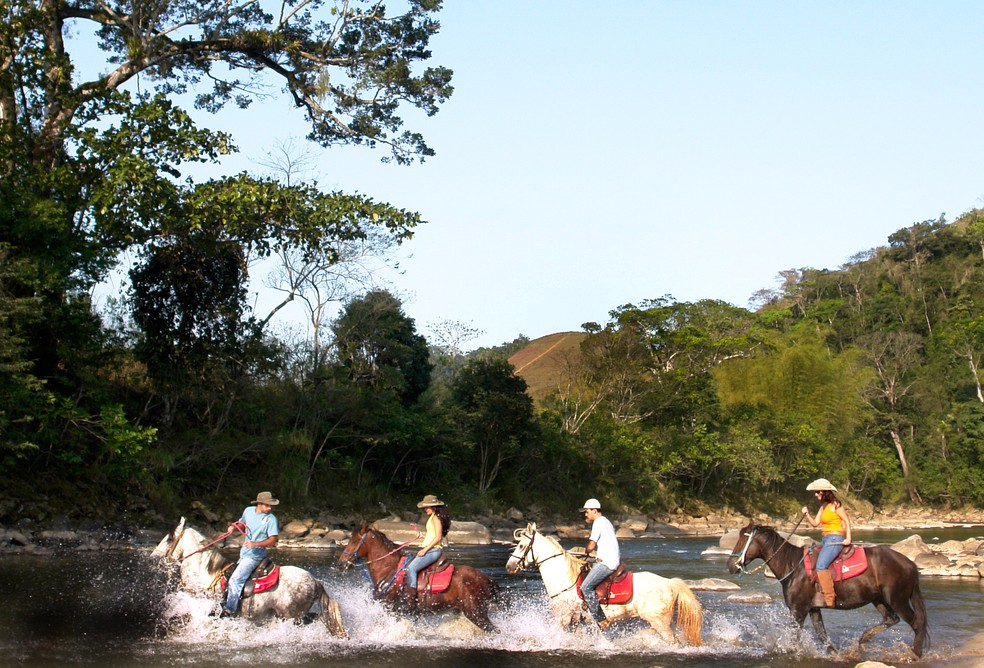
x=826, y=580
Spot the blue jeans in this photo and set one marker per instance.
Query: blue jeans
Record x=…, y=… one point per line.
x=598, y=573
x=830, y=548
x=418, y=564
x=234, y=589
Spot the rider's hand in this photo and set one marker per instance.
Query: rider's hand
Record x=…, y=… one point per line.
x=806, y=511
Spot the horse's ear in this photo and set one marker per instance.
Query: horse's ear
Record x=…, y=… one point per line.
x=181, y=526
x=531, y=527
x=363, y=525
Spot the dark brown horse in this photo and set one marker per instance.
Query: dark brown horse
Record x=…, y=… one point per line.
x=891, y=584
x=471, y=591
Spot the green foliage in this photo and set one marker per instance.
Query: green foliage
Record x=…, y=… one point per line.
x=379, y=347
x=868, y=374
x=494, y=414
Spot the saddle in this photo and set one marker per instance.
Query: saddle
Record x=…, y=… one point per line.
x=616, y=589
x=265, y=576
x=852, y=561
x=434, y=579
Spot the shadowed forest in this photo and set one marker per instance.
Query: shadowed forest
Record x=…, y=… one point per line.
x=868, y=374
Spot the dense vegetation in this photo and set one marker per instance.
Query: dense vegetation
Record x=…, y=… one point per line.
x=867, y=375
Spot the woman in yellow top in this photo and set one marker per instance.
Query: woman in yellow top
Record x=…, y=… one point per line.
x=835, y=525
x=438, y=524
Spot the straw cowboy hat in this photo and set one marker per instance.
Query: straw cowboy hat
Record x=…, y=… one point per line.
x=430, y=501
x=266, y=498
x=820, y=485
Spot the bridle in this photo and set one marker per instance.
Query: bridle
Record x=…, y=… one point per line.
x=519, y=535
x=525, y=565
x=740, y=562
x=353, y=558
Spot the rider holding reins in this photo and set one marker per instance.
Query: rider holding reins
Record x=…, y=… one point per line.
x=438, y=524
x=835, y=525
x=262, y=531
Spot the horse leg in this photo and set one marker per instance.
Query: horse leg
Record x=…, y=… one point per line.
x=474, y=605
x=889, y=619
x=821, y=630
x=479, y=616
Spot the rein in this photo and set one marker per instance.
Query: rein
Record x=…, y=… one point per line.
x=383, y=587
x=524, y=565
x=238, y=525
x=765, y=562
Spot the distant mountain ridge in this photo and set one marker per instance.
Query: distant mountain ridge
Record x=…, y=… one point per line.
x=543, y=362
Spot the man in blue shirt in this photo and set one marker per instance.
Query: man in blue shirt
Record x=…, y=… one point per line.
x=262, y=531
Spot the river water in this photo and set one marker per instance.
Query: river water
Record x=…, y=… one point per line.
x=122, y=609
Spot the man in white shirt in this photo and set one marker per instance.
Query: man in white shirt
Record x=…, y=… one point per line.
x=603, y=539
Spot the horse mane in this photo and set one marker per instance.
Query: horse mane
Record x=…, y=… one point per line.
x=387, y=543
x=215, y=560
x=212, y=558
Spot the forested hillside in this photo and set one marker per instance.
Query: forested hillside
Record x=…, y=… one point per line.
x=868, y=374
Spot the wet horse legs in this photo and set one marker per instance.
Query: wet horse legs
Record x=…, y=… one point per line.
x=889, y=619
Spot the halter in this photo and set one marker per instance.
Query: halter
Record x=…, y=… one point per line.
x=240, y=526
x=523, y=565
x=383, y=587
x=765, y=562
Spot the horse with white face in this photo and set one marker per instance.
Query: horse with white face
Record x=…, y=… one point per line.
x=655, y=599
x=298, y=595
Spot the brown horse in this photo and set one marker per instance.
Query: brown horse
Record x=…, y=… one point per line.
x=470, y=591
x=891, y=584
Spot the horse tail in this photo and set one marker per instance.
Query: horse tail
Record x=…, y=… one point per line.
x=689, y=613
x=331, y=614
x=920, y=624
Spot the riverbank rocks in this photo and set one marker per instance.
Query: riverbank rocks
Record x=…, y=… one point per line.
x=295, y=529
x=461, y=533
x=951, y=558
x=750, y=598
x=728, y=541
x=712, y=584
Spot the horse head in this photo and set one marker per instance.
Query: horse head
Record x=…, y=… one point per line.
x=746, y=547
x=169, y=543
x=522, y=556
x=355, y=550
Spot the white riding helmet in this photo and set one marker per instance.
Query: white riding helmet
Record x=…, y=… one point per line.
x=592, y=503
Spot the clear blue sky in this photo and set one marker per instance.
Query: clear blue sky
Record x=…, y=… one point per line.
x=595, y=154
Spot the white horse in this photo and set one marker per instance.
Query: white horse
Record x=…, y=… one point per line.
x=293, y=597
x=655, y=599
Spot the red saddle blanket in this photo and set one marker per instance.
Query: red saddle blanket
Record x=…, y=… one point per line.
x=616, y=589
x=436, y=577
x=854, y=563
x=257, y=585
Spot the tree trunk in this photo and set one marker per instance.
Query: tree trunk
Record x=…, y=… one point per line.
x=975, y=375
x=913, y=494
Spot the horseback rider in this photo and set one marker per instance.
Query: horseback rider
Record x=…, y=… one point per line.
x=603, y=538
x=835, y=525
x=262, y=532
x=438, y=525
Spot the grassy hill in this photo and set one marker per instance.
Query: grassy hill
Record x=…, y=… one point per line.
x=542, y=363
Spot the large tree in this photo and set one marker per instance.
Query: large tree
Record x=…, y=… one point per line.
x=91, y=160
